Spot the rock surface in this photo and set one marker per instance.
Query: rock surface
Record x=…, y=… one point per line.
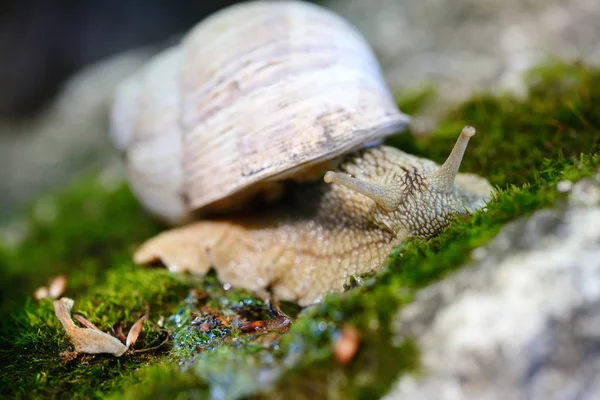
x=472, y=45
x=469, y=46
x=523, y=321
x=71, y=135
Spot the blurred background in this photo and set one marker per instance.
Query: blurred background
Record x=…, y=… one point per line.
x=60, y=62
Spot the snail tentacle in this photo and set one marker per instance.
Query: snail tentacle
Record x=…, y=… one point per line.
x=387, y=199
x=445, y=175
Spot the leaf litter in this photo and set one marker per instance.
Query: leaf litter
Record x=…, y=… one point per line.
x=91, y=340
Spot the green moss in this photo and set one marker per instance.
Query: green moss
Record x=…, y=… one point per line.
x=525, y=146
x=89, y=238
x=306, y=359
x=87, y=228
x=33, y=338
x=413, y=101
x=557, y=120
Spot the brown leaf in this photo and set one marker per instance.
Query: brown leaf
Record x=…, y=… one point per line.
x=198, y=294
x=86, y=340
x=253, y=326
x=206, y=326
x=135, y=331
x=117, y=331
x=85, y=322
x=346, y=346
x=280, y=323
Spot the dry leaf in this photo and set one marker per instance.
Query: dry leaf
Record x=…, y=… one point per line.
x=91, y=340
x=346, y=345
x=86, y=340
x=85, y=322
x=58, y=286
x=135, y=331
x=40, y=293
x=117, y=331
x=198, y=294
x=253, y=326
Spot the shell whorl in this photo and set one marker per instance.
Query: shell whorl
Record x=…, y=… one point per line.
x=145, y=129
x=255, y=91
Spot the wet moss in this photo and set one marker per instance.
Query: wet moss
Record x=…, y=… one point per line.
x=88, y=232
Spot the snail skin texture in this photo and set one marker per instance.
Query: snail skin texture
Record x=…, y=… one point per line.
x=259, y=101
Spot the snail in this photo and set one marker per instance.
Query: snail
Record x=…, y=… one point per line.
x=259, y=136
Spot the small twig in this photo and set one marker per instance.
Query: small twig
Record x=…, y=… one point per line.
x=155, y=347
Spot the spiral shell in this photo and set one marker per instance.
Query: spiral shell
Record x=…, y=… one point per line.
x=258, y=92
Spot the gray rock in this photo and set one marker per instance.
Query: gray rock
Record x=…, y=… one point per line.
x=467, y=46
x=68, y=137
x=523, y=322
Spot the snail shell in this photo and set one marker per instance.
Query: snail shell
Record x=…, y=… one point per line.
x=256, y=93
x=267, y=91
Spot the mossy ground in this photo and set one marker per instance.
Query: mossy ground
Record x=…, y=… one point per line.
x=88, y=231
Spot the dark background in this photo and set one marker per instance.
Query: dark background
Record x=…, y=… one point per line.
x=42, y=42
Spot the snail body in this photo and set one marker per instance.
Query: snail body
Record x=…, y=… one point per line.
x=264, y=101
